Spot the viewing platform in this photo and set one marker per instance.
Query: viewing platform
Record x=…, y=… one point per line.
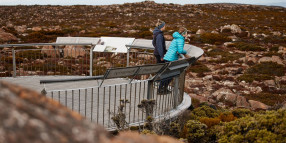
x=97, y=83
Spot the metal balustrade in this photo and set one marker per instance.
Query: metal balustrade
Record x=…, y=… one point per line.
x=100, y=104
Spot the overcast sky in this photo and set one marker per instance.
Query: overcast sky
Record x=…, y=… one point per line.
x=107, y=2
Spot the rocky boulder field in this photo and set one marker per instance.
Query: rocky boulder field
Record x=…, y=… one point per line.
x=243, y=66
x=245, y=45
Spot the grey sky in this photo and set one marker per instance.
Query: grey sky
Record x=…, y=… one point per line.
x=107, y=2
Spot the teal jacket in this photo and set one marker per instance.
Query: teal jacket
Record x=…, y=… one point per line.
x=176, y=48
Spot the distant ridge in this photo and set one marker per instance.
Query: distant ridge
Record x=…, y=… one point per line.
x=282, y=4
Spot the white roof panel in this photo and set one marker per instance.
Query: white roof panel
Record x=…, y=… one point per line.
x=77, y=40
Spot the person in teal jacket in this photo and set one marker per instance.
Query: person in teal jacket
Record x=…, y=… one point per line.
x=177, y=46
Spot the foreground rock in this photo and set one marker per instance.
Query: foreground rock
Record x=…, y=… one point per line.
x=27, y=116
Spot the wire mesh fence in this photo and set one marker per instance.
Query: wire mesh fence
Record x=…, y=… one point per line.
x=66, y=60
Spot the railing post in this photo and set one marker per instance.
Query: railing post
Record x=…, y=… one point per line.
x=90, y=61
x=128, y=50
x=150, y=89
x=182, y=85
x=44, y=92
x=176, y=91
x=14, y=63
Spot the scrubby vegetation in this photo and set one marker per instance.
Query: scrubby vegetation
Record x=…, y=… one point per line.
x=262, y=127
x=267, y=98
x=225, y=56
x=207, y=124
x=263, y=71
x=213, y=38
x=199, y=68
x=248, y=47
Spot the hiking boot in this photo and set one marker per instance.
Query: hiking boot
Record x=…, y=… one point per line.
x=163, y=91
x=167, y=91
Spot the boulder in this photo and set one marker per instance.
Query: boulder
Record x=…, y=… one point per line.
x=36, y=28
x=256, y=105
x=74, y=51
x=235, y=28
x=231, y=98
x=238, y=71
x=208, y=77
x=200, y=31
x=252, y=59
x=215, y=32
x=256, y=89
x=227, y=44
x=50, y=51
x=231, y=28
x=233, y=38
x=131, y=31
x=228, y=83
x=243, y=34
x=145, y=57
x=276, y=33
x=270, y=83
x=168, y=37
x=225, y=94
x=282, y=50
x=275, y=59
x=222, y=91
x=21, y=29
x=6, y=37
x=105, y=64
x=265, y=59
x=242, y=102
x=200, y=98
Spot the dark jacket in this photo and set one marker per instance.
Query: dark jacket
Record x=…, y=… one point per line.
x=159, y=42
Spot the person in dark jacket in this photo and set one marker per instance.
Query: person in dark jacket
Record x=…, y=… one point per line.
x=159, y=41
x=160, y=51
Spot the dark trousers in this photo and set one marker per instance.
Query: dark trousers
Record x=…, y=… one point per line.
x=165, y=82
x=158, y=59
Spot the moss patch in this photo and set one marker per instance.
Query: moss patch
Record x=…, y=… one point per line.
x=248, y=47
x=213, y=38
x=199, y=68
x=263, y=71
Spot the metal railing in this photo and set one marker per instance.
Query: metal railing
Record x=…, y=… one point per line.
x=100, y=104
x=69, y=60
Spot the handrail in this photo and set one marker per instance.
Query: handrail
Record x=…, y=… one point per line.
x=140, y=47
x=44, y=44
x=73, y=79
